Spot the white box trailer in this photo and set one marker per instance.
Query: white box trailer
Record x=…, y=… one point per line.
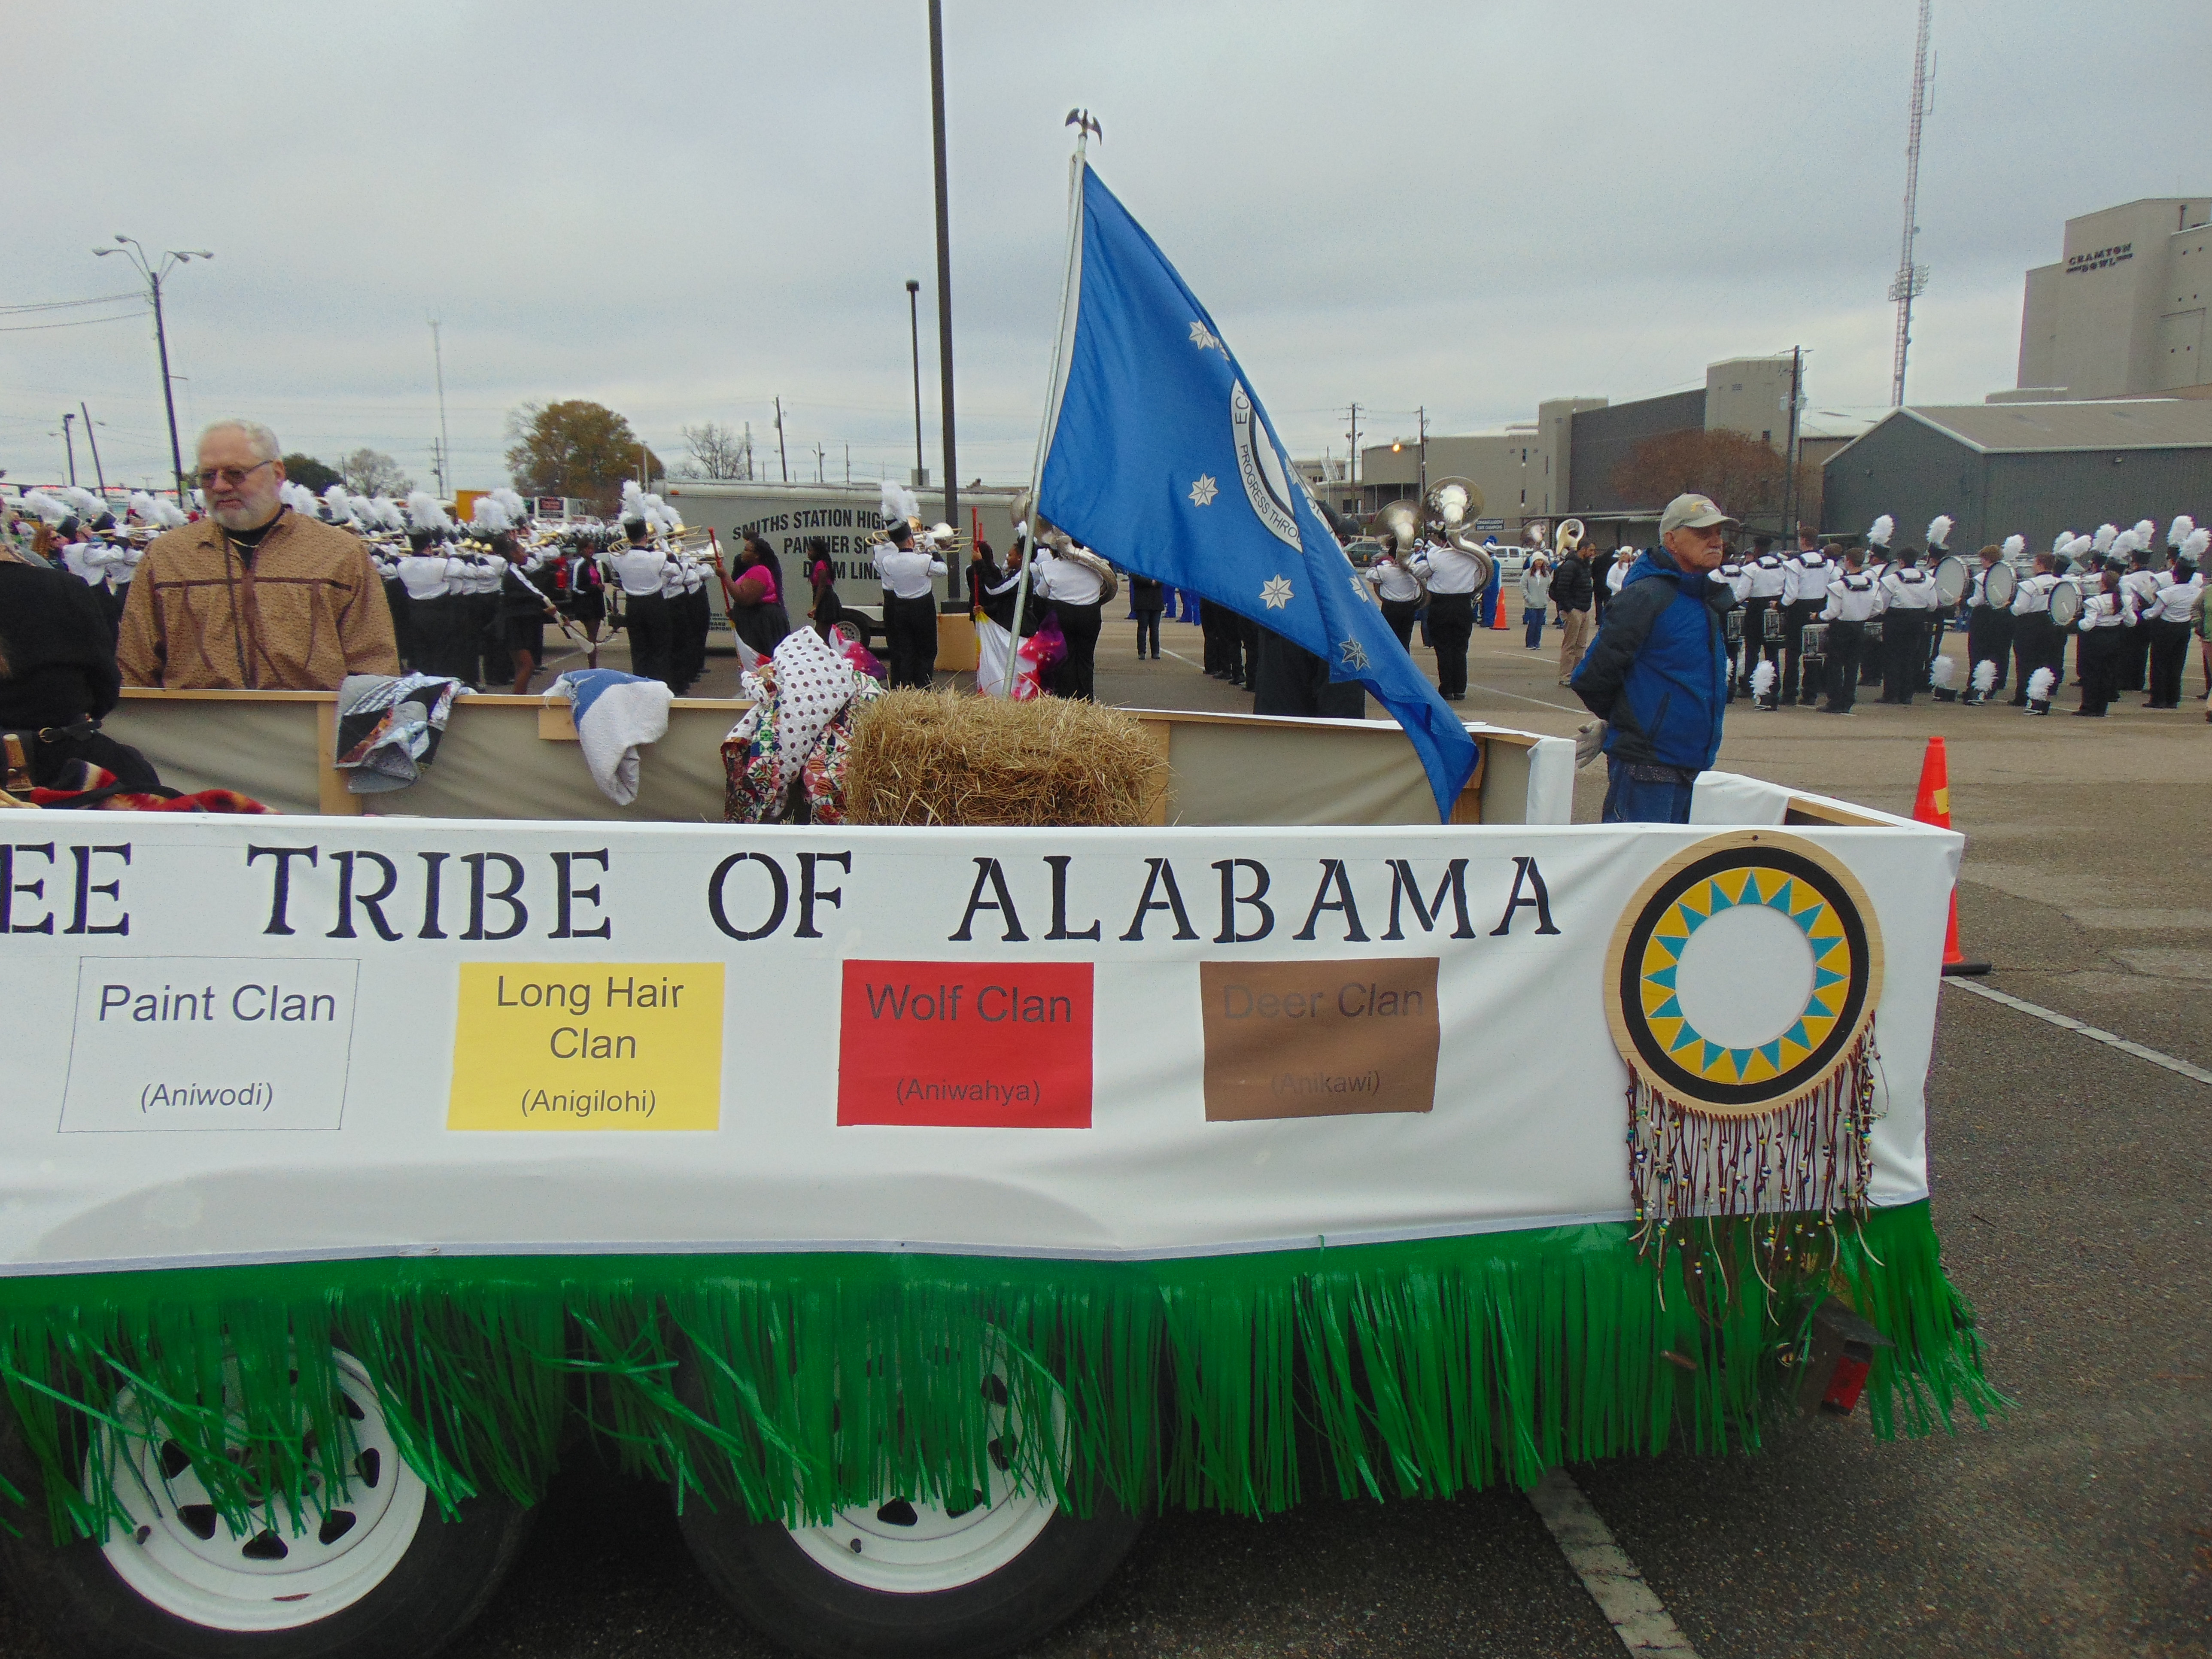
x=844, y=515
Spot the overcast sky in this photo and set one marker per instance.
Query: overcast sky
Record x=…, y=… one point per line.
x=683, y=210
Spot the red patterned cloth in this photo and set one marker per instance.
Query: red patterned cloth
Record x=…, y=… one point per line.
x=94, y=789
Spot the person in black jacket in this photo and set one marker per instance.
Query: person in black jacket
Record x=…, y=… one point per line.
x=1573, y=590
x=58, y=677
x=1147, y=598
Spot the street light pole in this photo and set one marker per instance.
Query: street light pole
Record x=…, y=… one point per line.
x=444, y=443
x=914, y=326
x=97, y=471
x=943, y=265
x=154, y=272
x=70, y=445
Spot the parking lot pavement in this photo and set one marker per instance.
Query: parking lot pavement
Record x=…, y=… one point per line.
x=2075, y=1199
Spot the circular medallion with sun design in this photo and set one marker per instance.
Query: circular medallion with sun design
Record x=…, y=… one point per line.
x=1743, y=972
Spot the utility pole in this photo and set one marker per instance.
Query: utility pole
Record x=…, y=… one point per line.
x=1353, y=435
x=1422, y=415
x=1790, y=454
x=782, y=458
x=95, y=443
x=154, y=273
x=820, y=456
x=944, y=264
x=69, y=444
x=914, y=329
x=1910, y=279
x=445, y=442
x=749, y=451
x=848, y=464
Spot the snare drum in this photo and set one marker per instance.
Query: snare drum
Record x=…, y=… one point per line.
x=1733, y=628
x=1998, y=587
x=1774, y=624
x=1871, y=630
x=1815, y=639
x=2065, y=604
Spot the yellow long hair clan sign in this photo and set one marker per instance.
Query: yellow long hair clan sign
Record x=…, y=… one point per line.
x=1740, y=986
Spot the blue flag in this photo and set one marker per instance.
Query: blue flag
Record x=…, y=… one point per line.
x=1160, y=458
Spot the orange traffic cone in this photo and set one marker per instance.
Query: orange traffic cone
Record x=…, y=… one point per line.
x=1498, y=611
x=1932, y=804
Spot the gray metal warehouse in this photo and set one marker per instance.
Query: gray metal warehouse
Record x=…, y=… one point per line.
x=2033, y=469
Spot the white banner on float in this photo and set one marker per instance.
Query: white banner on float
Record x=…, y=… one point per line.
x=243, y=1039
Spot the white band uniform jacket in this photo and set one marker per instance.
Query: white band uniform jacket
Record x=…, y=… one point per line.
x=2033, y=596
x=1763, y=578
x=2171, y=603
x=1065, y=580
x=1449, y=570
x=1394, y=582
x=906, y=570
x=429, y=575
x=1910, y=588
x=1806, y=577
x=2102, y=609
x=1854, y=598
x=638, y=570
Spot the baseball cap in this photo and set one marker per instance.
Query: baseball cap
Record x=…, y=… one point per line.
x=1691, y=513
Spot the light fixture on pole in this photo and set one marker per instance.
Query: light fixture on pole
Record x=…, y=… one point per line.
x=914, y=327
x=445, y=442
x=944, y=268
x=154, y=271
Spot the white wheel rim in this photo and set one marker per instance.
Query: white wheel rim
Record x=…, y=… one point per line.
x=178, y=1553
x=908, y=1547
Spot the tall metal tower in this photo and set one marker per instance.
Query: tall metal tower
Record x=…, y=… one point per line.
x=1910, y=278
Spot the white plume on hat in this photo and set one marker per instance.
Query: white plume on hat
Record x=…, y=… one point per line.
x=1879, y=532
x=2123, y=545
x=517, y=508
x=142, y=507
x=1943, y=672
x=339, y=503
x=899, y=502
x=1985, y=678
x=383, y=511
x=2193, y=545
x=1939, y=530
x=633, y=501
x=2146, y=532
x=88, y=505
x=2014, y=546
x=49, y=509
x=172, y=514
x=2040, y=683
x=423, y=512
x=489, y=516
x=2103, y=539
x=1762, y=678
x=2178, y=532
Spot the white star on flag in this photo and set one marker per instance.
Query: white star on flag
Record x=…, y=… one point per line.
x=1354, y=653
x=1203, y=492
x=1275, y=592
x=1206, y=340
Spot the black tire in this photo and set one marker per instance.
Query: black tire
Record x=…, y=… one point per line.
x=450, y=1571
x=787, y=1595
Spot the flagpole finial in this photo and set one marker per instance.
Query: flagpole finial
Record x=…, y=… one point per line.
x=1087, y=126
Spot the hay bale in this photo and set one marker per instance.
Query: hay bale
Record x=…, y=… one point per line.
x=940, y=757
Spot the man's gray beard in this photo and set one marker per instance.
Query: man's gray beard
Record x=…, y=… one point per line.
x=240, y=518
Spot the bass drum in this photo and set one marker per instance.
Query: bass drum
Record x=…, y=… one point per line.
x=1999, y=585
x=1952, y=577
x=2065, y=604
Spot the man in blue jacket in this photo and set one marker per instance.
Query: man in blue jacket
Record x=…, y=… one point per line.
x=1656, y=675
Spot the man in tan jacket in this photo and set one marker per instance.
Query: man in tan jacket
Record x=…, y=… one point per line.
x=254, y=596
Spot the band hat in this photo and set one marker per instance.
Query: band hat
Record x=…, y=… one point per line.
x=1691, y=513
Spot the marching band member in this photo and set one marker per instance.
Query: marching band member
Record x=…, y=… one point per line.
x=1068, y=578
x=1909, y=598
x=1398, y=592
x=2035, y=639
x=1450, y=572
x=1989, y=628
x=910, y=606
x=1764, y=579
x=2166, y=621
x=1805, y=577
x=441, y=632
x=2105, y=611
x=638, y=565
x=1735, y=572
x=2140, y=584
x=1853, y=599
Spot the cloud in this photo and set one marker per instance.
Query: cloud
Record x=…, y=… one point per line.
x=685, y=211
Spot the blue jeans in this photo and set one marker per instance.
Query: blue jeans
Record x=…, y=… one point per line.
x=1535, y=622
x=1632, y=799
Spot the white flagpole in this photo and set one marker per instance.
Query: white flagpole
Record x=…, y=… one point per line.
x=1067, y=299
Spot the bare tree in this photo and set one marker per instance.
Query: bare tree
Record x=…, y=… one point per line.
x=1745, y=475
x=717, y=451
x=373, y=472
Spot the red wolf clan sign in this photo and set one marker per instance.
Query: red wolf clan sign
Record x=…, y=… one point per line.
x=966, y=1046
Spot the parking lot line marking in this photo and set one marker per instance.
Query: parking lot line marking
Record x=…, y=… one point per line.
x=1635, y=1614
x=2067, y=1022
x=1540, y=702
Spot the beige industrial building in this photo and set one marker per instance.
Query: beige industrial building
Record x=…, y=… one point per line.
x=2121, y=314
x=1562, y=462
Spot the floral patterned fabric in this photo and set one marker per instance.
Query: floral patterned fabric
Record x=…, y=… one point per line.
x=805, y=700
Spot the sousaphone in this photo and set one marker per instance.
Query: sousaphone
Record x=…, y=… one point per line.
x=1453, y=505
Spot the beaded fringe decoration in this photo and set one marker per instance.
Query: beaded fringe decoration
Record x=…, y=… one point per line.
x=1811, y=1155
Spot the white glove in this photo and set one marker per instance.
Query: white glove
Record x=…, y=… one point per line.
x=1589, y=743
